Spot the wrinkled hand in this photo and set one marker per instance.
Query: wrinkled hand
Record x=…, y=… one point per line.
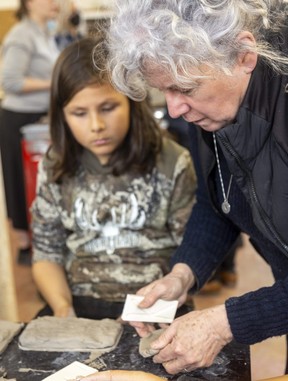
x=193, y=340
x=173, y=286
x=122, y=375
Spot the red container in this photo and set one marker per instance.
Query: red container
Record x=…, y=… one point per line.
x=35, y=142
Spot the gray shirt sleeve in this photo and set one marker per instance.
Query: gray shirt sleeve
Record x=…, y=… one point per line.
x=16, y=61
x=28, y=52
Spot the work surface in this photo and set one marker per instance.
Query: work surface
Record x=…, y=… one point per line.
x=232, y=364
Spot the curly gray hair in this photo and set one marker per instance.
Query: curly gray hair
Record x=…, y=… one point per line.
x=180, y=34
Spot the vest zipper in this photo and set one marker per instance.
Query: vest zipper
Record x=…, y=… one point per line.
x=269, y=227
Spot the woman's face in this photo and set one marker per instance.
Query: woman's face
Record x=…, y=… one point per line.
x=212, y=105
x=43, y=10
x=99, y=119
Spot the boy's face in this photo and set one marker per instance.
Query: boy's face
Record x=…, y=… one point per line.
x=99, y=119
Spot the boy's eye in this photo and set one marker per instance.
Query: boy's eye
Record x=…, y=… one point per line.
x=108, y=108
x=79, y=113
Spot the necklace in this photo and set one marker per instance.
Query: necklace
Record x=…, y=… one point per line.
x=225, y=206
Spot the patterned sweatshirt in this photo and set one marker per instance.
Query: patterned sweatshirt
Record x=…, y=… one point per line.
x=113, y=234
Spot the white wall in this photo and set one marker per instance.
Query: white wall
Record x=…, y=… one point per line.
x=4, y=4
x=8, y=4
x=89, y=4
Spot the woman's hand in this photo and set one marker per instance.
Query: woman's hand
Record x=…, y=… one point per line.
x=193, y=340
x=173, y=286
x=122, y=375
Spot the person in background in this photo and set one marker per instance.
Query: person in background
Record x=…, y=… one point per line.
x=69, y=26
x=226, y=273
x=28, y=55
x=223, y=67
x=113, y=196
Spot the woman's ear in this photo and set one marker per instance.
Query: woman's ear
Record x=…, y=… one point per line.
x=247, y=59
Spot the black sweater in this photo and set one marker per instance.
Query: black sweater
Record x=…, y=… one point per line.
x=263, y=313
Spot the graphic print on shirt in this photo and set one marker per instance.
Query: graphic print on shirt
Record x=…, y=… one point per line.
x=110, y=224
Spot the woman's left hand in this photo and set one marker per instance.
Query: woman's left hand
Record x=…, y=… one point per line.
x=193, y=340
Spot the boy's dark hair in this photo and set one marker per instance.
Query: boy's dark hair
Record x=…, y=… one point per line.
x=81, y=64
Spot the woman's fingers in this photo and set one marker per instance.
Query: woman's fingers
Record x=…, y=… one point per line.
x=193, y=340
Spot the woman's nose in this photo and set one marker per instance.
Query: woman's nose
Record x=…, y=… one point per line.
x=176, y=104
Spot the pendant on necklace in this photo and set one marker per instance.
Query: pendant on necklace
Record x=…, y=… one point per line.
x=225, y=206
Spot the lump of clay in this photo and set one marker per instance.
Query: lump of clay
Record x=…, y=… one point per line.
x=50, y=333
x=7, y=331
x=145, y=349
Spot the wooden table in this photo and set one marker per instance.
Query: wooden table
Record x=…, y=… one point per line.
x=232, y=364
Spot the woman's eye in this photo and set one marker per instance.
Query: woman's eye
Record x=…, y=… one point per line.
x=186, y=92
x=182, y=91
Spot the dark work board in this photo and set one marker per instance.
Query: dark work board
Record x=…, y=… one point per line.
x=232, y=364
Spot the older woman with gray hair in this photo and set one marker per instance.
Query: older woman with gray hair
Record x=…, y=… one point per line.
x=222, y=66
